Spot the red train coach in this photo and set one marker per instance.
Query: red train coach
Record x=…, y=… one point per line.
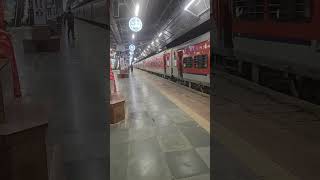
x=188, y=63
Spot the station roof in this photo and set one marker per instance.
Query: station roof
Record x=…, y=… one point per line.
x=163, y=21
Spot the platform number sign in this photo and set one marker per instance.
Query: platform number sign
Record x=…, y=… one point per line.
x=135, y=24
x=132, y=47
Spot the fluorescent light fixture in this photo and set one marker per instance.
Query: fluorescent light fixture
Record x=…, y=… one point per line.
x=189, y=4
x=136, y=12
x=132, y=36
x=160, y=34
x=157, y=40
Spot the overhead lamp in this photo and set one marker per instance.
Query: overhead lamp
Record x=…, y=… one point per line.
x=132, y=36
x=136, y=12
x=160, y=34
x=135, y=24
x=157, y=40
x=132, y=47
x=189, y=4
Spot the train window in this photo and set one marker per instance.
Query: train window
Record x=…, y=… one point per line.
x=248, y=9
x=201, y=61
x=284, y=10
x=187, y=62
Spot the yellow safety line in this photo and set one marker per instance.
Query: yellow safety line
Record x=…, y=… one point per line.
x=204, y=123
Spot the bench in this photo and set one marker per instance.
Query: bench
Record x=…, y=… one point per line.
x=117, y=102
x=41, y=40
x=123, y=74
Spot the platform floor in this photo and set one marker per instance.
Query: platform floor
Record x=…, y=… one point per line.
x=71, y=84
x=160, y=140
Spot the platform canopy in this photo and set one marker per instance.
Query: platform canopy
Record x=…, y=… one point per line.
x=163, y=22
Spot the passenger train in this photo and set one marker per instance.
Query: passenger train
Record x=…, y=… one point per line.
x=94, y=11
x=188, y=63
x=275, y=43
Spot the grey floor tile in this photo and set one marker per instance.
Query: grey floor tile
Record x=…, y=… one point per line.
x=168, y=130
x=197, y=136
x=198, y=177
x=118, y=136
x=141, y=148
x=150, y=165
x=173, y=142
x=141, y=134
x=179, y=118
x=141, y=124
x=187, y=124
x=119, y=151
x=118, y=169
x=204, y=153
x=184, y=164
x=163, y=120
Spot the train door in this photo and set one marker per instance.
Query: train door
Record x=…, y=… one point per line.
x=165, y=63
x=171, y=62
x=179, y=64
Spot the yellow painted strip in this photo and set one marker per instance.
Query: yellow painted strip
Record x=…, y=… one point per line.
x=204, y=123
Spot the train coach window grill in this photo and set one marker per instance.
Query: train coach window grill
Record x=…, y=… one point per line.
x=290, y=10
x=201, y=61
x=248, y=9
x=187, y=62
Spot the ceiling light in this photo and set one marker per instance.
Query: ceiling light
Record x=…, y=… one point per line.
x=160, y=34
x=189, y=4
x=136, y=12
x=157, y=40
x=132, y=36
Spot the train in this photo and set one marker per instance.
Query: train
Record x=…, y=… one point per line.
x=188, y=63
x=93, y=11
x=273, y=43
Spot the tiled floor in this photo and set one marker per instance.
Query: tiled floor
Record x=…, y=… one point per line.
x=63, y=81
x=160, y=141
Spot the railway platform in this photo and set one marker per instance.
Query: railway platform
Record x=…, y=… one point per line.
x=62, y=81
x=166, y=135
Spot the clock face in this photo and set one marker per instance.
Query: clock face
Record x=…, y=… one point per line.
x=135, y=24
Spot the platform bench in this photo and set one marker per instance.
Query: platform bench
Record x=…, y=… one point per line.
x=117, y=103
